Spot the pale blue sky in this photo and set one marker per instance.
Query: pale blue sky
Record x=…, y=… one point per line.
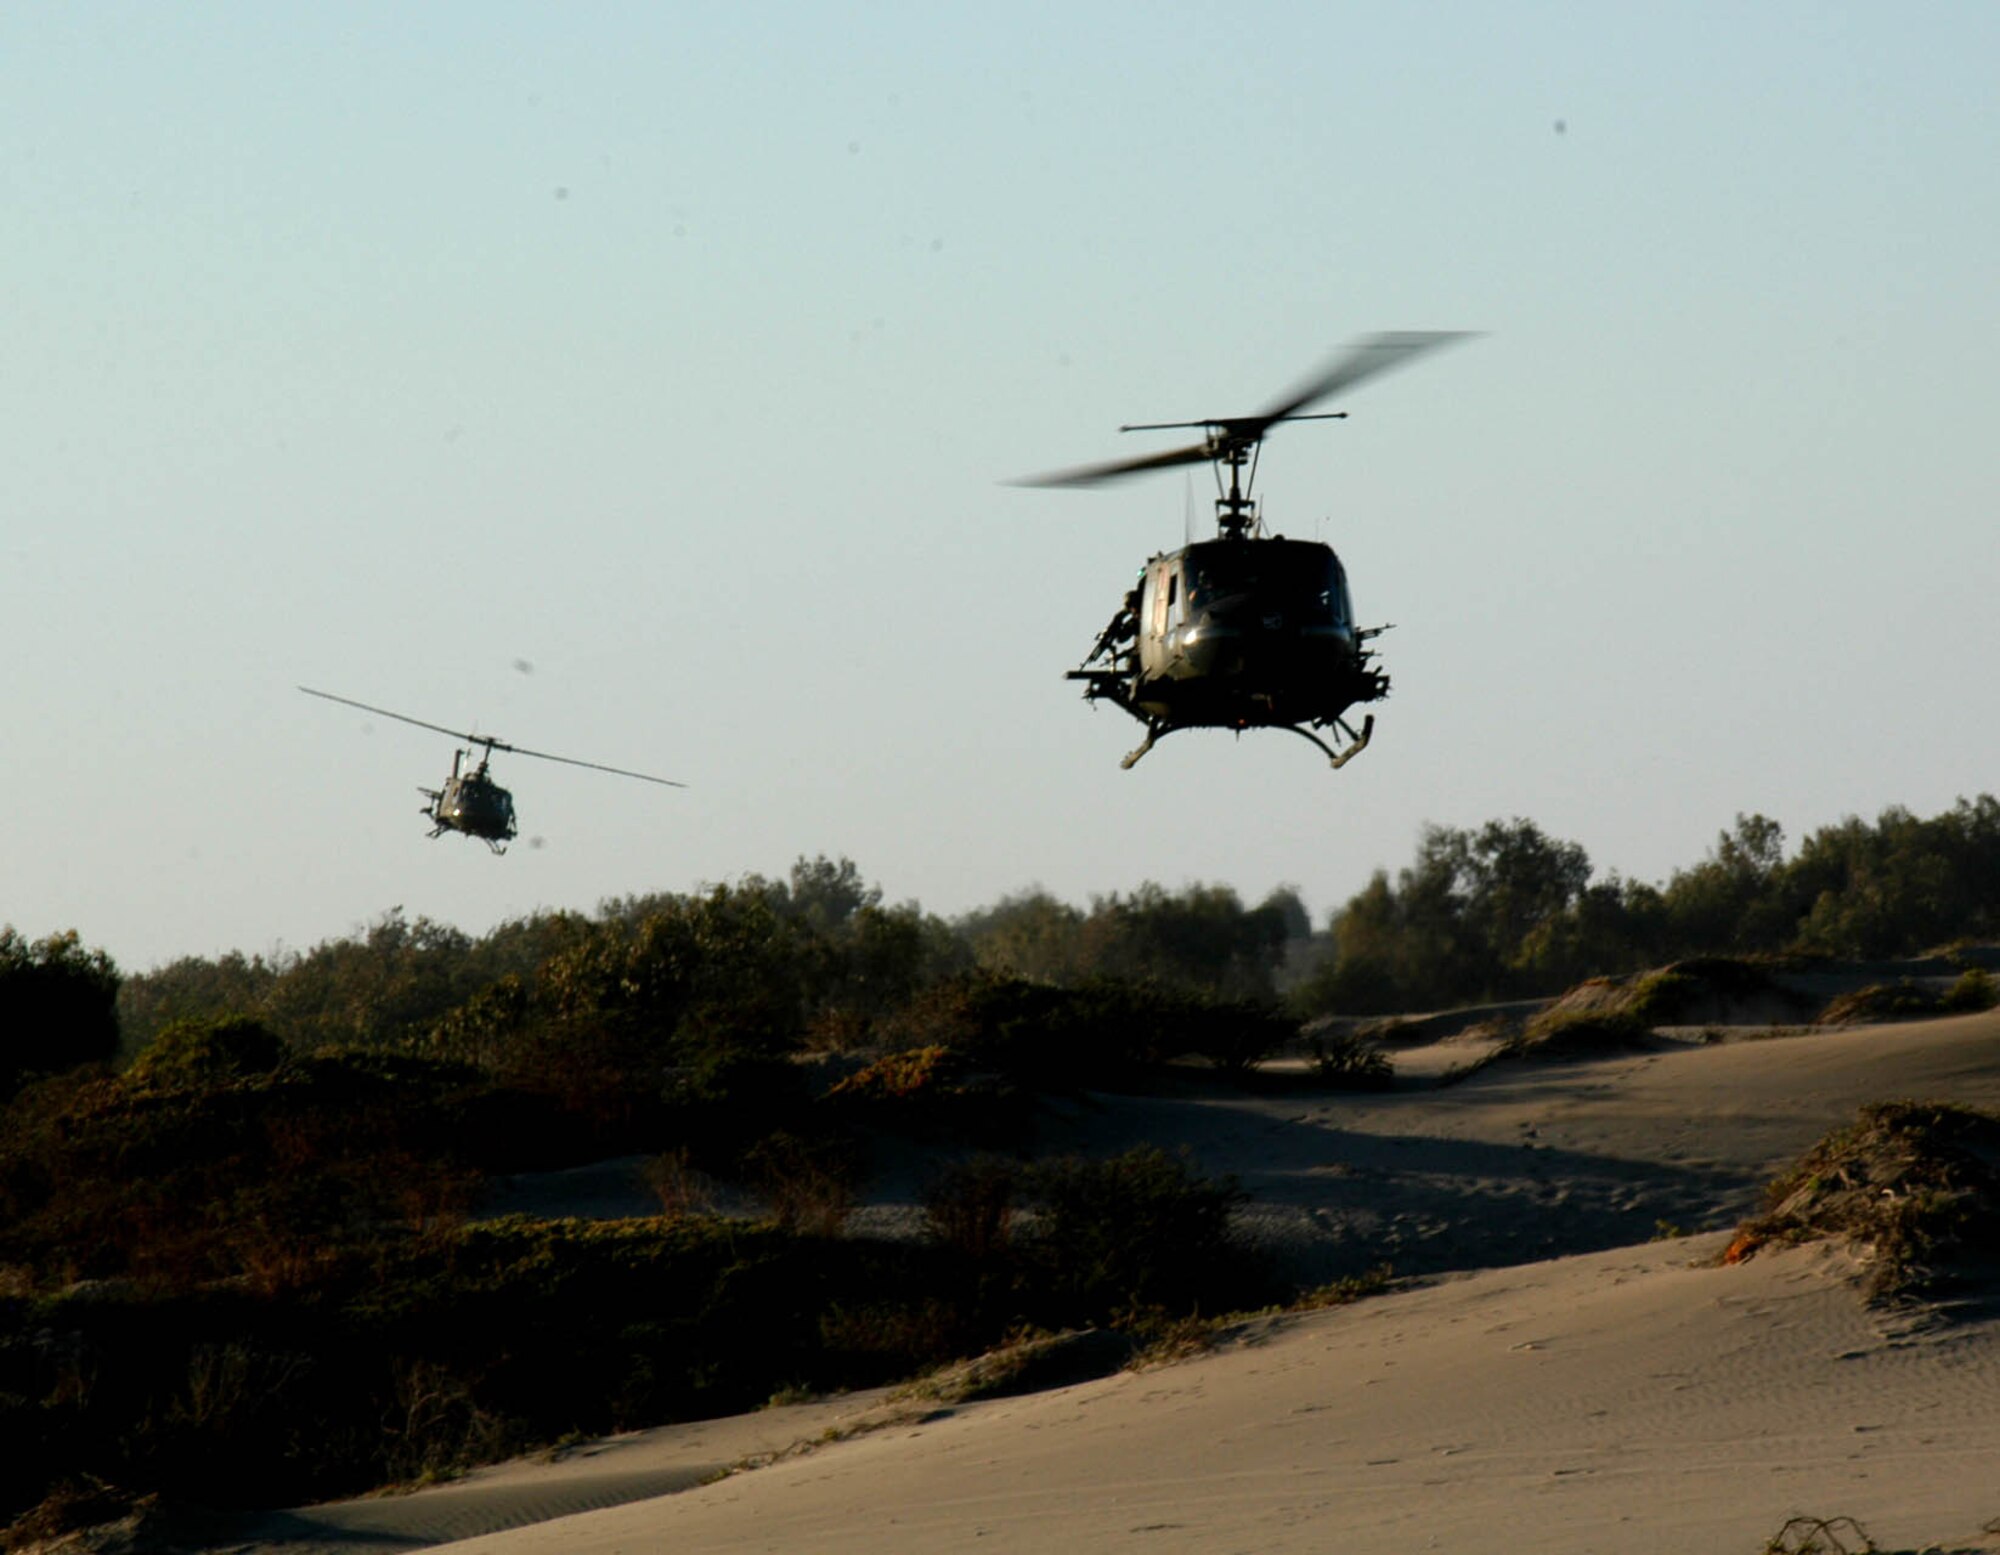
x=680, y=352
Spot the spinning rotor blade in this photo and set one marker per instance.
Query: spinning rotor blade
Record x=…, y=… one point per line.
x=1091, y=474
x=1367, y=357
x=490, y=743
x=595, y=766
x=470, y=739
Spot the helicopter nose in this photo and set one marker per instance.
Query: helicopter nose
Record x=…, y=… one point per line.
x=1210, y=645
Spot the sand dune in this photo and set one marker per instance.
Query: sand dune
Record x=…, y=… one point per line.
x=1565, y=1382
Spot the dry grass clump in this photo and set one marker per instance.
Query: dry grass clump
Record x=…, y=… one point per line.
x=1913, y=1186
x=1974, y=989
x=1702, y=990
x=1032, y=1363
x=1903, y=1000
x=1349, y=1061
x=1577, y=1033
x=1494, y=1029
x=1820, y=1536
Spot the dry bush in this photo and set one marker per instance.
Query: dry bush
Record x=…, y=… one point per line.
x=912, y=1075
x=432, y=1425
x=71, y=1506
x=1347, y=1290
x=680, y=1187
x=1578, y=1033
x=1820, y=1536
x=809, y=1184
x=1033, y=1361
x=1348, y=1061
x=897, y=1331
x=1913, y=1186
x=969, y=1207
x=1903, y=1000
x=1973, y=990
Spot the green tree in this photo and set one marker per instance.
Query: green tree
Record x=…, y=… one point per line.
x=58, y=1006
x=1030, y=934
x=1731, y=901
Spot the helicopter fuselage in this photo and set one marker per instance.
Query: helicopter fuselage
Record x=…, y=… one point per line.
x=472, y=803
x=1238, y=633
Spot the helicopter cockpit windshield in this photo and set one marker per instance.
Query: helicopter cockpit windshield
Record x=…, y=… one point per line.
x=1301, y=579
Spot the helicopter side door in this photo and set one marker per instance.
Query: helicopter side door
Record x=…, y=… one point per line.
x=1162, y=606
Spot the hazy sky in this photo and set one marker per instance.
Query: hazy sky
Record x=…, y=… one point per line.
x=638, y=382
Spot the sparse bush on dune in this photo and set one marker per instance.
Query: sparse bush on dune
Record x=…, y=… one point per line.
x=970, y=1205
x=1138, y=1230
x=1912, y=1186
x=1903, y=1000
x=1578, y=1033
x=808, y=1182
x=1974, y=989
x=1820, y=1536
x=1348, y=1061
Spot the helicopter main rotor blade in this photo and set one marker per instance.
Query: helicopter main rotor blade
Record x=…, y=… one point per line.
x=595, y=766
x=490, y=743
x=1366, y=358
x=1092, y=474
x=456, y=734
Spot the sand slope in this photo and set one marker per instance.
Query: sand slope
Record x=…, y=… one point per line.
x=1586, y=1388
x=1612, y=1401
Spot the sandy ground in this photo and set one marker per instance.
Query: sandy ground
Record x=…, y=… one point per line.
x=1567, y=1378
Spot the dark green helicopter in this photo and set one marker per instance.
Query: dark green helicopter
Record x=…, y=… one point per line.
x=1248, y=630
x=470, y=801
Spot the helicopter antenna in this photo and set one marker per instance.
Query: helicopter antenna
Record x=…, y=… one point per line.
x=490, y=743
x=1232, y=442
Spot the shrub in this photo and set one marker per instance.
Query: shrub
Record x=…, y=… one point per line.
x=194, y=1051
x=680, y=1188
x=912, y=1075
x=1563, y=1034
x=1915, y=1185
x=969, y=1206
x=1974, y=989
x=1903, y=1000
x=1139, y=1230
x=1348, y=1061
x=809, y=1183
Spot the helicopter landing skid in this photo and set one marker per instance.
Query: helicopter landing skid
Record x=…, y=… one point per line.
x=1336, y=759
x=1339, y=759
x=1154, y=734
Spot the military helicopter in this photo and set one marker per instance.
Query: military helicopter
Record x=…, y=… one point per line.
x=470, y=801
x=1248, y=630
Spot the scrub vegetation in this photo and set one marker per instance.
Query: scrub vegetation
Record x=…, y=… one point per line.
x=1912, y=1187
x=240, y=1231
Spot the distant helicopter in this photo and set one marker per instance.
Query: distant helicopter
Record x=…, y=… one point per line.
x=470, y=801
x=1249, y=630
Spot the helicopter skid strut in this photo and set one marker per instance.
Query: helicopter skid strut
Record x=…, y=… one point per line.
x=1336, y=759
x=1339, y=759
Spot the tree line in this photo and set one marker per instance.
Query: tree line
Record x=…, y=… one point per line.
x=820, y=960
